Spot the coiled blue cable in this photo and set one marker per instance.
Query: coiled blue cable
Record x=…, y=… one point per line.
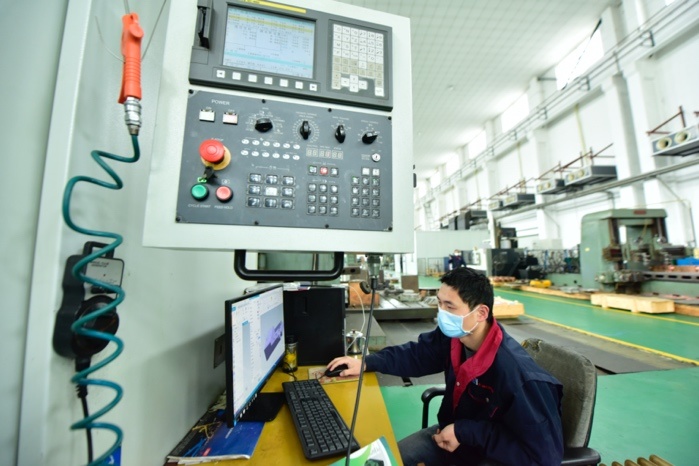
x=81, y=378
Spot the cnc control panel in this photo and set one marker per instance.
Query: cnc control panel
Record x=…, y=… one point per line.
x=265, y=162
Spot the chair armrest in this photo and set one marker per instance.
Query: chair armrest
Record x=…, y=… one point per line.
x=580, y=456
x=427, y=396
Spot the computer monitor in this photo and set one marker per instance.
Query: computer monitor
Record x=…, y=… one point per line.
x=254, y=348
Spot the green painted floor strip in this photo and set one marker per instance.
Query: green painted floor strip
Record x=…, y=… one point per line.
x=663, y=334
x=646, y=413
x=636, y=415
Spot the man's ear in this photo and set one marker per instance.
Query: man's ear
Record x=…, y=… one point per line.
x=483, y=312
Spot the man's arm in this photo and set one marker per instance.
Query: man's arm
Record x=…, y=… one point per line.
x=529, y=433
x=412, y=359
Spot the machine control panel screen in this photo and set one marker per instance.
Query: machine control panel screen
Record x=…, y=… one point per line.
x=272, y=48
x=269, y=43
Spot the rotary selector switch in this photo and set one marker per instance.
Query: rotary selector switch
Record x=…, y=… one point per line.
x=263, y=124
x=305, y=129
x=340, y=133
x=369, y=137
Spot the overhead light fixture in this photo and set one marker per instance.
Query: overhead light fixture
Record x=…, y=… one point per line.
x=550, y=186
x=590, y=175
x=683, y=142
x=518, y=200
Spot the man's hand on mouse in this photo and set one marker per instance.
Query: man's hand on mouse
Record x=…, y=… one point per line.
x=353, y=365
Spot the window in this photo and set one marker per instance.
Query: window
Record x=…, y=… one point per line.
x=515, y=113
x=580, y=60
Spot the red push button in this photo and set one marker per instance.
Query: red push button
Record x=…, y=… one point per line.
x=212, y=151
x=224, y=193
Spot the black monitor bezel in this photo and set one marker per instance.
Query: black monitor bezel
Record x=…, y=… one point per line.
x=231, y=418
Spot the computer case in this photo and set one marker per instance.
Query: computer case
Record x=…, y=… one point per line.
x=316, y=318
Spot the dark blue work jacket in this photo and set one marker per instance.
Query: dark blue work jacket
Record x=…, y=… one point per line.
x=511, y=413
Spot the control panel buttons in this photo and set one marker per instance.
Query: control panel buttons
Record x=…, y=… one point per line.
x=207, y=114
x=212, y=151
x=224, y=193
x=375, y=156
x=199, y=192
x=254, y=202
x=230, y=118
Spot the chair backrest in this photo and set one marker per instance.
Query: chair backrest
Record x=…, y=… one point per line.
x=579, y=378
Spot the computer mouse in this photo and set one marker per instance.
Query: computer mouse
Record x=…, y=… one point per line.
x=335, y=372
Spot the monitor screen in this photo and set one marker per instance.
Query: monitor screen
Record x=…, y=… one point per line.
x=254, y=346
x=269, y=43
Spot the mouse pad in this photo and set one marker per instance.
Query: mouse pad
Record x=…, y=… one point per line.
x=316, y=372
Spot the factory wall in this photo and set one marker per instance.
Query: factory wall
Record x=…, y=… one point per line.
x=611, y=119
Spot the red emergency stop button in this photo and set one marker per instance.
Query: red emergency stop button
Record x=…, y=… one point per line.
x=224, y=193
x=212, y=151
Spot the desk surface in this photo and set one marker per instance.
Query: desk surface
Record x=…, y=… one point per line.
x=279, y=444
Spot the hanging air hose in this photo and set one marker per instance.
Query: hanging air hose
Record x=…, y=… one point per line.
x=86, y=330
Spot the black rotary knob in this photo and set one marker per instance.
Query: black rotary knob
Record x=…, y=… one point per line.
x=305, y=129
x=340, y=133
x=369, y=137
x=263, y=125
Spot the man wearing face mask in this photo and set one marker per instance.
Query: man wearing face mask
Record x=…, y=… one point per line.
x=499, y=407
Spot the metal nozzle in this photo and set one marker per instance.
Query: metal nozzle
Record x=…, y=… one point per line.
x=132, y=116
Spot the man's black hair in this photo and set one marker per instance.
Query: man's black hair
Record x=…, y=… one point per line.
x=474, y=288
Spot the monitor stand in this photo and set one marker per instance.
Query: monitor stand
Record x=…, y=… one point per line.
x=265, y=407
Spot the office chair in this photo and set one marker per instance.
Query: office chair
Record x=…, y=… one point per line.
x=579, y=378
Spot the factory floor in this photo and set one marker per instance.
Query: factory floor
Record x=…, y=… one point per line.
x=648, y=365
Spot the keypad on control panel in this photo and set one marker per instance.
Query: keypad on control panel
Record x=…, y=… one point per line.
x=358, y=56
x=365, y=201
x=271, y=191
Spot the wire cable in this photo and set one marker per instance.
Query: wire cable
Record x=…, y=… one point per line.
x=81, y=378
x=374, y=283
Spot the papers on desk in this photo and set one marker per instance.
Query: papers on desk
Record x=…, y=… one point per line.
x=376, y=453
x=210, y=439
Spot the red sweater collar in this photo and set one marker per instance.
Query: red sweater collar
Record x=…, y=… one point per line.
x=475, y=365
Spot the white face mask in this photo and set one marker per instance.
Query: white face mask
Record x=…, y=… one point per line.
x=452, y=325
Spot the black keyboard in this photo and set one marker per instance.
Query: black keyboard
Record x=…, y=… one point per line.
x=320, y=428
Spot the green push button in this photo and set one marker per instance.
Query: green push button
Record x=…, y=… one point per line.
x=200, y=192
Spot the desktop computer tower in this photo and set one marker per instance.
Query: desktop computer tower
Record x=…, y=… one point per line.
x=316, y=318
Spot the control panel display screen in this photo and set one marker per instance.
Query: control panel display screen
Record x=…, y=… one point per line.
x=269, y=43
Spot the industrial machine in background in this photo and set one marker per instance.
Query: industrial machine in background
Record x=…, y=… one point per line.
x=622, y=248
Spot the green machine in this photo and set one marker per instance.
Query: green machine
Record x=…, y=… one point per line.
x=622, y=248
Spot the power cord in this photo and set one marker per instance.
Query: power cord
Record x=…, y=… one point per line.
x=83, y=327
